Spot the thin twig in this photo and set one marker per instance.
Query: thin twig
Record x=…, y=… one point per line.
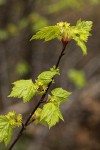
x=24, y=126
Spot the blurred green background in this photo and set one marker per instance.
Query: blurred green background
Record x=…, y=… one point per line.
x=22, y=59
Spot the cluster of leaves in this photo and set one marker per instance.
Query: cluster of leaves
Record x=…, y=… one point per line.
x=26, y=89
x=64, y=32
x=50, y=113
x=7, y=123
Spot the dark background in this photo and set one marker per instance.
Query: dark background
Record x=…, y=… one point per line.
x=22, y=59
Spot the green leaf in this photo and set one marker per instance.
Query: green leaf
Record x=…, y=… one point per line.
x=8, y=138
x=5, y=130
x=47, y=33
x=45, y=78
x=51, y=114
x=84, y=26
x=81, y=44
x=81, y=32
x=23, y=89
x=7, y=123
x=60, y=95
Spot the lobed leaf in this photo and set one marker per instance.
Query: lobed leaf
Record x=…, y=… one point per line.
x=84, y=25
x=7, y=123
x=60, y=95
x=23, y=89
x=81, y=44
x=47, y=33
x=51, y=114
x=46, y=76
x=5, y=130
x=81, y=32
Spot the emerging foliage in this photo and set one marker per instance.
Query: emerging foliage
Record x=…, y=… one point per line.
x=59, y=95
x=7, y=123
x=64, y=32
x=25, y=89
x=81, y=33
x=50, y=114
x=47, y=33
x=45, y=78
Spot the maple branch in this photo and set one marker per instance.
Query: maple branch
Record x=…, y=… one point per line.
x=24, y=125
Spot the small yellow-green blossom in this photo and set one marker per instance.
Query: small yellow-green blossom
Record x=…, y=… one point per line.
x=7, y=124
x=65, y=31
x=27, y=89
x=14, y=119
x=37, y=113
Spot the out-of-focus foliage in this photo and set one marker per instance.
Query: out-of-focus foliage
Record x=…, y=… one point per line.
x=34, y=21
x=37, y=21
x=94, y=1
x=22, y=68
x=77, y=77
x=3, y=34
x=57, y=6
x=63, y=4
x=2, y=2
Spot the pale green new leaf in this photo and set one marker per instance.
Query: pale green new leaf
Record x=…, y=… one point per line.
x=47, y=33
x=81, y=44
x=51, y=114
x=84, y=25
x=60, y=95
x=46, y=76
x=23, y=89
x=7, y=123
x=5, y=130
x=81, y=32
